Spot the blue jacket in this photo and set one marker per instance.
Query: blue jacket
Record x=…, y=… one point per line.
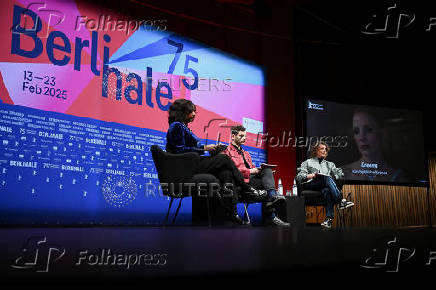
x=180, y=139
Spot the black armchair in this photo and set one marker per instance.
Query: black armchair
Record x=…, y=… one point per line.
x=177, y=176
x=316, y=197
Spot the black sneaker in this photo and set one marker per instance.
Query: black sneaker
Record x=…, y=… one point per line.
x=276, y=201
x=327, y=223
x=278, y=222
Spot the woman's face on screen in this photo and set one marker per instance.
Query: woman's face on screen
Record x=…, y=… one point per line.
x=366, y=134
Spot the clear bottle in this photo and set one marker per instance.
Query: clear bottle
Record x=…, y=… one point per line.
x=280, y=187
x=294, y=188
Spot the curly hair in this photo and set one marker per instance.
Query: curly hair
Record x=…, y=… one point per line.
x=316, y=146
x=179, y=110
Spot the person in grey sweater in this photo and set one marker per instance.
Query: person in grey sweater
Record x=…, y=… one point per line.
x=316, y=173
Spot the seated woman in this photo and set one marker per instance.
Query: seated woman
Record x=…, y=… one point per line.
x=181, y=139
x=318, y=174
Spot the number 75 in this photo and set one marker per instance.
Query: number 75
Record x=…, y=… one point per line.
x=187, y=69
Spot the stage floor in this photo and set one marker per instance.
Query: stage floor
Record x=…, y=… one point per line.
x=254, y=252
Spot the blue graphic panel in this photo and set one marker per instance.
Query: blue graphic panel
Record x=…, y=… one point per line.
x=93, y=171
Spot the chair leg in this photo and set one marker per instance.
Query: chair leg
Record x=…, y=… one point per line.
x=168, y=212
x=246, y=215
x=177, y=211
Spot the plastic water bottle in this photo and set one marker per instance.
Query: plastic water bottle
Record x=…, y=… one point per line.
x=280, y=187
x=294, y=189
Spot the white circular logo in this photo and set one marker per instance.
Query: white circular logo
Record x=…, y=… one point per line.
x=119, y=191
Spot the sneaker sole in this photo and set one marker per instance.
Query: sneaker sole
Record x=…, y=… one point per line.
x=280, y=224
x=348, y=206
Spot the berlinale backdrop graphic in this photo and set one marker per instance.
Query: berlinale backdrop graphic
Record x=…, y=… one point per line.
x=84, y=94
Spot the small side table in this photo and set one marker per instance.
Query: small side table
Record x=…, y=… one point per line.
x=294, y=211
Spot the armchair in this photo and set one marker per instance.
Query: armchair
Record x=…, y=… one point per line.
x=316, y=198
x=178, y=172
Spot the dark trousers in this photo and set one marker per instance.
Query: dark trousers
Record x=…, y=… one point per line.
x=264, y=180
x=223, y=168
x=332, y=195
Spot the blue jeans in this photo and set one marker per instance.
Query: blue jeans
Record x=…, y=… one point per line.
x=332, y=195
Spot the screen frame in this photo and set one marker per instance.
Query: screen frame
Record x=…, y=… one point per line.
x=368, y=182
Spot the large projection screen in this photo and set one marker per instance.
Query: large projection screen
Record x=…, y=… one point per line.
x=371, y=144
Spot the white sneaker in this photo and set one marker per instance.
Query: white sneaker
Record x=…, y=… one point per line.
x=327, y=223
x=278, y=222
x=345, y=204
